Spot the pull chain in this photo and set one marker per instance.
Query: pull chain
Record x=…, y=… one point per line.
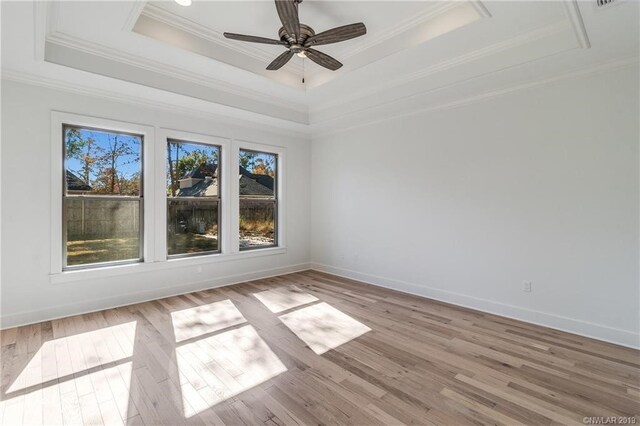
x=302, y=70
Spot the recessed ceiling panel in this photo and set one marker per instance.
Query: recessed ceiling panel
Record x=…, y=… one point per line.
x=391, y=27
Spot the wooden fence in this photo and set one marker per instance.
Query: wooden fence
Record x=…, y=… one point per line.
x=252, y=210
x=104, y=218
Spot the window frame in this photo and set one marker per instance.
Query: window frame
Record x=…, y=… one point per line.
x=60, y=121
x=274, y=200
x=224, y=144
x=154, y=189
x=66, y=196
x=279, y=195
x=218, y=198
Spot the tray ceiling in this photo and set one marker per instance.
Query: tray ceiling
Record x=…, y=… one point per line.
x=417, y=54
x=391, y=27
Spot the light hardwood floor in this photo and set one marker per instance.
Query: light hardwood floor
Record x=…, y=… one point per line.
x=308, y=348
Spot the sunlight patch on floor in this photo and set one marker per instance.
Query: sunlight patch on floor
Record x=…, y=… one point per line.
x=200, y=320
x=284, y=298
x=323, y=327
x=224, y=355
x=65, y=356
x=81, y=375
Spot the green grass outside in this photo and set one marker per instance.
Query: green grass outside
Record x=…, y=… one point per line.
x=83, y=252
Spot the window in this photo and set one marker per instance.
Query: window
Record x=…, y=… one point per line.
x=146, y=198
x=193, y=198
x=258, y=199
x=102, y=197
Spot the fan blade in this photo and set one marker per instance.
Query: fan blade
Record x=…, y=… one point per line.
x=280, y=61
x=288, y=13
x=336, y=35
x=323, y=59
x=254, y=39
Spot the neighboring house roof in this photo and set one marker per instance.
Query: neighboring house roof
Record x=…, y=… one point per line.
x=203, y=182
x=252, y=184
x=74, y=183
x=200, y=182
x=202, y=171
x=200, y=188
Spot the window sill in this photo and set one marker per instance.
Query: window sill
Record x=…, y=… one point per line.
x=136, y=268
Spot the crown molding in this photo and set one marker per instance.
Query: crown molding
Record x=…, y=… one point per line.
x=163, y=16
x=323, y=130
x=40, y=28
x=575, y=17
x=134, y=14
x=45, y=15
x=434, y=10
x=208, y=110
x=45, y=31
x=112, y=54
x=513, y=43
x=45, y=21
x=199, y=108
x=480, y=8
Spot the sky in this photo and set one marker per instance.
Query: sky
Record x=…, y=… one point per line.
x=186, y=148
x=264, y=157
x=126, y=164
x=131, y=164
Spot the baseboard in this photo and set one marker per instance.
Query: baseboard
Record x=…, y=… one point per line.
x=32, y=317
x=583, y=328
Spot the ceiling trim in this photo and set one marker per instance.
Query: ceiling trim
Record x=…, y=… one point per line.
x=134, y=14
x=279, y=126
x=204, y=109
x=432, y=11
x=39, y=28
x=46, y=15
x=513, y=43
x=435, y=10
x=322, y=130
x=404, y=99
x=480, y=8
x=43, y=18
x=109, y=53
x=575, y=17
x=183, y=24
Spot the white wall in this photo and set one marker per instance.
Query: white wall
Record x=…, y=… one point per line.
x=464, y=204
x=460, y=205
x=27, y=293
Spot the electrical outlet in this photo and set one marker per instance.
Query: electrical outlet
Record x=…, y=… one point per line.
x=526, y=286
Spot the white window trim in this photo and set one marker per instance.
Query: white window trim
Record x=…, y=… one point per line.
x=280, y=196
x=161, y=189
x=58, y=120
x=154, y=192
x=135, y=268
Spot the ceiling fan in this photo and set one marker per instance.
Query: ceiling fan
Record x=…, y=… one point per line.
x=300, y=38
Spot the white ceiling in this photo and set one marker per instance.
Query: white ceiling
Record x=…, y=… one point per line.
x=391, y=26
x=417, y=55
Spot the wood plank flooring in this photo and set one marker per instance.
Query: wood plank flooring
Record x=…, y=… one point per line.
x=308, y=348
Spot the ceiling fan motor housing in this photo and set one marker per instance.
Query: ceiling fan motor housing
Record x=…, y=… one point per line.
x=305, y=32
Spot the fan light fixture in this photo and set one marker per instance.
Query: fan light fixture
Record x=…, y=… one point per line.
x=183, y=2
x=300, y=39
